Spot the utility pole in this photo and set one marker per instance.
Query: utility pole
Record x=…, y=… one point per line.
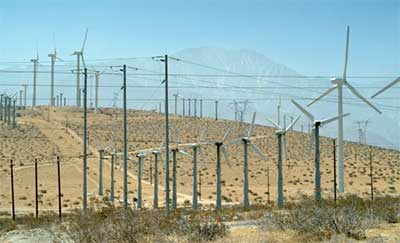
x=84, y=196
x=176, y=103
x=195, y=107
x=125, y=163
x=35, y=64
x=101, y=153
x=183, y=106
x=371, y=176
x=9, y=111
x=334, y=171
x=112, y=176
x=20, y=99
x=14, y=123
x=25, y=94
x=96, y=98
x=216, y=110
x=1, y=106
x=166, y=138
x=201, y=108
x=189, y=105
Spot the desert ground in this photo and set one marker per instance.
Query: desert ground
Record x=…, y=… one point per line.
x=45, y=133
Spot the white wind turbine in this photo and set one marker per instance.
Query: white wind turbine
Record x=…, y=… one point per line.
x=53, y=57
x=397, y=80
x=246, y=141
x=97, y=75
x=338, y=84
x=314, y=138
x=79, y=56
x=220, y=149
x=175, y=151
x=197, y=147
x=35, y=62
x=282, y=151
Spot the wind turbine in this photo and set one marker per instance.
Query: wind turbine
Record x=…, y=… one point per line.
x=397, y=80
x=197, y=148
x=157, y=154
x=97, y=75
x=314, y=138
x=220, y=149
x=246, y=141
x=282, y=152
x=338, y=84
x=53, y=57
x=79, y=56
x=35, y=62
x=174, y=152
x=101, y=150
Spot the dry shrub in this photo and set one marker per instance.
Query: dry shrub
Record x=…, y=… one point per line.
x=110, y=224
x=351, y=216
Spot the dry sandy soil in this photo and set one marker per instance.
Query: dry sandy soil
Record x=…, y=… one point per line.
x=44, y=135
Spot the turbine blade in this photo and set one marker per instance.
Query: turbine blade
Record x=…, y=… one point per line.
x=323, y=95
x=226, y=157
x=84, y=40
x=202, y=135
x=251, y=125
x=83, y=61
x=226, y=135
x=329, y=120
x=258, y=151
x=292, y=124
x=273, y=123
x=202, y=157
x=397, y=80
x=237, y=142
x=355, y=92
x=346, y=53
x=185, y=153
x=305, y=112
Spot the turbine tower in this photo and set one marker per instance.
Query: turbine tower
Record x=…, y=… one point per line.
x=314, y=137
x=53, y=58
x=338, y=84
x=79, y=56
x=35, y=62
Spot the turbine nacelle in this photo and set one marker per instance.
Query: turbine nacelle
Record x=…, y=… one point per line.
x=337, y=81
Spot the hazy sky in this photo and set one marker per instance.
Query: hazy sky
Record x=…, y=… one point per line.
x=308, y=36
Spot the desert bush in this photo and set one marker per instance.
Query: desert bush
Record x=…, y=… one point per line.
x=109, y=224
x=350, y=217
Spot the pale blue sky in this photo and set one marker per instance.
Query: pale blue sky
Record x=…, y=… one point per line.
x=308, y=36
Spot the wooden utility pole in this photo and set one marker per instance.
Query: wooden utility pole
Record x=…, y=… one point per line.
x=371, y=176
x=334, y=170
x=84, y=191
x=12, y=190
x=59, y=187
x=36, y=190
